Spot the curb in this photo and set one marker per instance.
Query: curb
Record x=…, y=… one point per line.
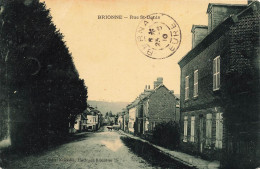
x=156, y=147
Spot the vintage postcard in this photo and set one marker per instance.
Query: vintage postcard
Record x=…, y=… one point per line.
x=129, y=84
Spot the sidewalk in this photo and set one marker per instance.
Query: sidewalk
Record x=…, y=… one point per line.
x=181, y=157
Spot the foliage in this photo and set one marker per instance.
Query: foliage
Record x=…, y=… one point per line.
x=43, y=85
x=167, y=134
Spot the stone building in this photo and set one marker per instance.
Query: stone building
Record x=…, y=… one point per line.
x=152, y=107
x=220, y=86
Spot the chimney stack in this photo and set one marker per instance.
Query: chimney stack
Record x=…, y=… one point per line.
x=199, y=32
x=158, y=82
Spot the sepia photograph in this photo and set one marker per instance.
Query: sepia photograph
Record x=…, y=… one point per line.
x=129, y=84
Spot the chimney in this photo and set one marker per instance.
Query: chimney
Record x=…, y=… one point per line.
x=158, y=82
x=217, y=13
x=147, y=88
x=199, y=32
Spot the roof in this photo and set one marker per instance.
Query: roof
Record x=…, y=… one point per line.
x=215, y=34
x=221, y=4
x=139, y=98
x=198, y=26
x=146, y=94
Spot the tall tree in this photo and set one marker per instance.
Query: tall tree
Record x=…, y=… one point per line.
x=43, y=84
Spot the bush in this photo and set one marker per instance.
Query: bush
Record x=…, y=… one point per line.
x=167, y=134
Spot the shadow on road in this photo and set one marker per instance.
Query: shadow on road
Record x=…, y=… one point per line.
x=10, y=153
x=151, y=154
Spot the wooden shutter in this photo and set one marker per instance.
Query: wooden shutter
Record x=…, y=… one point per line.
x=186, y=87
x=214, y=74
x=192, y=128
x=208, y=129
x=195, y=92
x=185, y=128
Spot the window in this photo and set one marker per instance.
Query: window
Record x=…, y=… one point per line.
x=208, y=129
x=219, y=130
x=192, y=129
x=185, y=128
x=196, y=87
x=186, y=87
x=216, y=73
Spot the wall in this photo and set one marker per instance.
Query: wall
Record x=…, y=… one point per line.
x=162, y=105
x=132, y=117
x=199, y=32
x=204, y=64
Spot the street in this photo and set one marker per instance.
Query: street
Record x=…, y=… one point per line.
x=102, y=149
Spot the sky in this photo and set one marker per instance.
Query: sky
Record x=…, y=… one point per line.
x=105, y=52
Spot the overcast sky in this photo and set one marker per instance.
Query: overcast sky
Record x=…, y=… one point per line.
x=105, y=51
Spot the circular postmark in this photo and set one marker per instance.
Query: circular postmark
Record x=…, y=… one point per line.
x=158, y=36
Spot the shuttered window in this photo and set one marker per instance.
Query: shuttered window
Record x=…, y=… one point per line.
x=185, y=128
x=219, y=130
x=208, y=129
x=186, y=87
x=196, y=87
x=216, y=73
x=192, y=129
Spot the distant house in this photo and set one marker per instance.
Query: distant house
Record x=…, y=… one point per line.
x=121, y=120
x=126, y=120
x=220, y=85
x=152, y=107
x=94, y=119
x=92, y=122
x=133, y=113
x=81, y=122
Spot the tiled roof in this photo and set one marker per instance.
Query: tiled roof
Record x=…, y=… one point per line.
x=146, y=94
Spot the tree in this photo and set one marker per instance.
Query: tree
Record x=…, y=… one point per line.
x=44, y=87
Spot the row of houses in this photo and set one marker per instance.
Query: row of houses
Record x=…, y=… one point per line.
x=220, y=91
x=219, y=96
x=151, y=107
x=90, y=120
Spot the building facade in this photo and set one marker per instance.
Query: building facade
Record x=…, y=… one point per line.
x=220, y=84
x=151, y=107
x=81, y=122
